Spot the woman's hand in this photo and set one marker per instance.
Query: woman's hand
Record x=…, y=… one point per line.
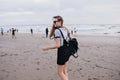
x=57, y=45
x=45, y=49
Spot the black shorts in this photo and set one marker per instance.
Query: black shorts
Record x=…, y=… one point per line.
x=62, y=55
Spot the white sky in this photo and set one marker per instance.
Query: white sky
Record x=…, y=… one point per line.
x=72, y=11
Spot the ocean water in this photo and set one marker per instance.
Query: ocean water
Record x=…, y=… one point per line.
x=85, y=29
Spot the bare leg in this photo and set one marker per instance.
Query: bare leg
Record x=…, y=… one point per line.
x=65, y=70
x=62, y=72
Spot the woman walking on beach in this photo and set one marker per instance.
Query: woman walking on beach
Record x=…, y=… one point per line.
x=62, y=58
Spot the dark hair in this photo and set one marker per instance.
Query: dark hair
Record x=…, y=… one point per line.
x=58, y=18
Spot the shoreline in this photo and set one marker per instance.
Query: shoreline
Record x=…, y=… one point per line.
x=93, y=34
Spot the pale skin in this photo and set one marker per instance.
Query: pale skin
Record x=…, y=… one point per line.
x=62, y=69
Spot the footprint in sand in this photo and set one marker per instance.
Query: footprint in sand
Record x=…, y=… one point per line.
x=38, y=63
x=89, y=79
x=93, y=79
x=5, y=71
x=13, y=54
x=119, y=73
x=26, y=51
x=37, y=69
x=3, y=55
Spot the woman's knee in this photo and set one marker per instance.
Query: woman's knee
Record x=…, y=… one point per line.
x=60, y=73
x=60, y=69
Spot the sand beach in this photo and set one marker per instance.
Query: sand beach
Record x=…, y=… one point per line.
x=23, y=59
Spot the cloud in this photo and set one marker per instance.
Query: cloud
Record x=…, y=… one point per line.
x=45, y=1
x=77, y=11
x=17, y=13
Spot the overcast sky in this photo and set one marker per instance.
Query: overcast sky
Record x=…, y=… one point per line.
x=73, y=11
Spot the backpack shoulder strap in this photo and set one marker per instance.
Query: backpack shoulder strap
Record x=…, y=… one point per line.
x=64, y=40
x=61, y=33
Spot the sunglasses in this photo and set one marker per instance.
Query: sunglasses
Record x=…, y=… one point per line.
x=56, y=20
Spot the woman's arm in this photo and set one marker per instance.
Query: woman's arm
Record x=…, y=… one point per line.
x=57, y=45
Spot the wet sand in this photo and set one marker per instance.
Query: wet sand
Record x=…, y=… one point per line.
x=23, y=59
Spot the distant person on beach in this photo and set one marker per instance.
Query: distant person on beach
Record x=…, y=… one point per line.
x=17, y=30
x=31, y=30
x=75, y=30
x=71, y=32
x=10, y=30
x=46, y=31
x=62, y=59
x=13, y=33
x=1, y=31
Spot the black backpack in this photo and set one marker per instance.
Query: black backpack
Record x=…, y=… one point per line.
x=72, y=45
